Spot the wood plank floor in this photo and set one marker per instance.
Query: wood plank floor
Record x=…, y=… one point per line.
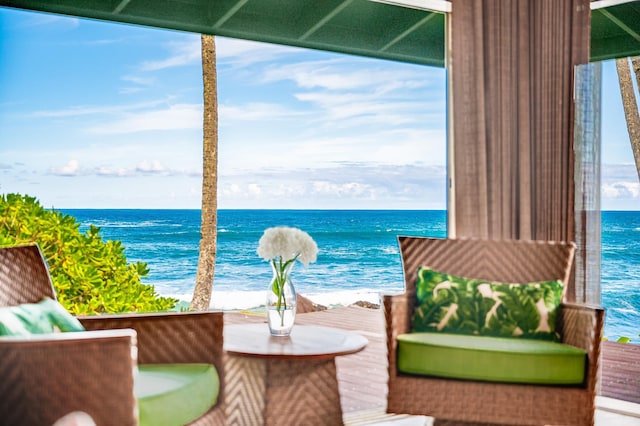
x=362, y=377
x=621, y=371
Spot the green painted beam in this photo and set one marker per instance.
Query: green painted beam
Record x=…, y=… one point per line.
x=358, y=27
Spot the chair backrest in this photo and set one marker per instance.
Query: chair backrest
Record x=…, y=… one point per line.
x=24, y=276
x=510, y=261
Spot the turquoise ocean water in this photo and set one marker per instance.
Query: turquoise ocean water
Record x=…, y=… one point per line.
x=358, y=254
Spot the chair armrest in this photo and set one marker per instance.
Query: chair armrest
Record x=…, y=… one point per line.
x=45, y=377
x=398, y=310
x=581, y=326
x=170, y=337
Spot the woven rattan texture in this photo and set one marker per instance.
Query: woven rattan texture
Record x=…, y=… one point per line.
x=281, y=392
x=170, y=337
x=582, y=326
x=24, y=277
x=483, y=402
x=175, y=338
x=44, y=379
x=504, y=261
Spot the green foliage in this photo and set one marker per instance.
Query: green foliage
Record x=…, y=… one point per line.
x=90, y=276
x=621, y=339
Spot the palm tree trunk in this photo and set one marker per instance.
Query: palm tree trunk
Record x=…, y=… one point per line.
x=629, y=103
x=208, y=229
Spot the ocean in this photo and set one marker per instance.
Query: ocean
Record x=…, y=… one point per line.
x=358, y=256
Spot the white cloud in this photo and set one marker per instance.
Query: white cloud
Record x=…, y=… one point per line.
x=42, y=19
x=141, y=169
x=351, y=92
x=150, y=167
x=234, y=53
x=182, y=53
x=254, y=189
x=238, y=53
x=348, y=185
x=355, y=110
x=620, y=181
x=394, y=147
x=174, y=117
x=72, y=168
x=99, y=110
x=621, y=190
x=352, y=74
x=101, y=42
x=136, y=79
x=346, y=189
x=256, y=111
x=105, y=171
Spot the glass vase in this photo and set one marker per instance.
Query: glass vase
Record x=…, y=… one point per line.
x=281, y=300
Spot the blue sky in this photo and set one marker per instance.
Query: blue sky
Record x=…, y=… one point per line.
x=104, y=115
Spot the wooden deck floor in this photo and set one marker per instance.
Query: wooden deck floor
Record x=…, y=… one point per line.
x=362, y=377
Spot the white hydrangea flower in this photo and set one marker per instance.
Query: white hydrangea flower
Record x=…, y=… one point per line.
x=287, y=243
x=282, y=246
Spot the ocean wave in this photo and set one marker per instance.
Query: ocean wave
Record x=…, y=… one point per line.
x=242, y=300
x=136, y=224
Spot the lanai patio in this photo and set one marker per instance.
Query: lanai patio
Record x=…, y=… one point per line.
x=362, y=377
x=523, y=161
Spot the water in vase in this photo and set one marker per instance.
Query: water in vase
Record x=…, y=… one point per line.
x=281, y=325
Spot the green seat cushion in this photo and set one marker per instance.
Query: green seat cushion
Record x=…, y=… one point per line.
x=46, y=316
x=451, y=304
x=175, y=394
x=493, y=359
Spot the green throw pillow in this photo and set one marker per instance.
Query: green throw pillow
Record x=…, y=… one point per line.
x=452, y=304
x=46, y=316
x=60, y=317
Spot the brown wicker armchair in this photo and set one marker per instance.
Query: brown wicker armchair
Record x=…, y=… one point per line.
x=47, y=376
x=456, y=401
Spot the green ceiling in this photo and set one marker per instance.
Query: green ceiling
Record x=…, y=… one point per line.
x=360, y=27
x=615, y=31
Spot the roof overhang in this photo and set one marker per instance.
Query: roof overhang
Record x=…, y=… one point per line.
x=402, y=30
x=615, y=29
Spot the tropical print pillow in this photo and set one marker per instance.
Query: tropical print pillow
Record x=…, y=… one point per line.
x=46, y=316
x=452, y=304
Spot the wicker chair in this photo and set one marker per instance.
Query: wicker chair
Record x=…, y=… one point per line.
x=45, y=377
x=473, y=402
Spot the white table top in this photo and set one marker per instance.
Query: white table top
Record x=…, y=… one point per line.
x=305, y=341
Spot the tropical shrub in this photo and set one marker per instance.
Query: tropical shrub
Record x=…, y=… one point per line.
x=90, y=275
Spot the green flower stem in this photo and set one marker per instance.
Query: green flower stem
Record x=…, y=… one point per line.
x=281, y=273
